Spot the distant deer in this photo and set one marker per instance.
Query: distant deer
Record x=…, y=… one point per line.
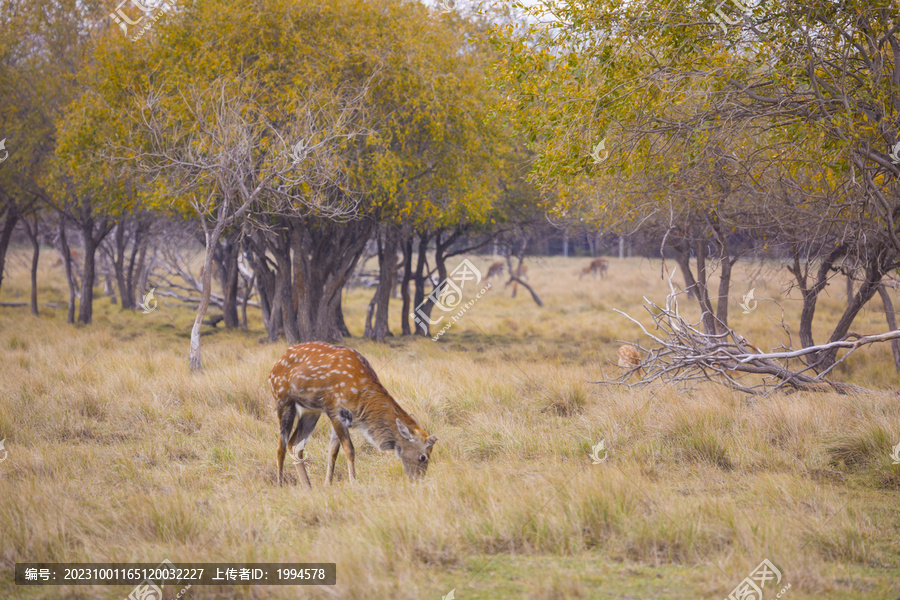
x=598, y=265
x=495, y=270
x=629, y=357
x=73, y=255
x=315, y=378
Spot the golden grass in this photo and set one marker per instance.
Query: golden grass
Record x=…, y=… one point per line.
x=118, y=453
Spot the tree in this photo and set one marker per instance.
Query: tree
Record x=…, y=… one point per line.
x=807, y=90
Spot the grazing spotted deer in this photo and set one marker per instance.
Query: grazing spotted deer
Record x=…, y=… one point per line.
x=630, y=358
x=598, y=265
x=495, y=270
x=316, y=378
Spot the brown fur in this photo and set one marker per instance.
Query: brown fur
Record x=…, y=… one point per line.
x=74, y=255
x=598, y=265
x=629, y=357
x=495, y=270
x=339, y=383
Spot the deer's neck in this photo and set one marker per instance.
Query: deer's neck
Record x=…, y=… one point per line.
x=379, y=419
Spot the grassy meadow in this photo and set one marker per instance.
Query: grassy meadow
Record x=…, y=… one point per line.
x=117, y=453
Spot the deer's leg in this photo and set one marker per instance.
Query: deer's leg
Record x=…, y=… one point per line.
x=305, y=427
x=280, y=459
x=343, y=435
x=333, y=449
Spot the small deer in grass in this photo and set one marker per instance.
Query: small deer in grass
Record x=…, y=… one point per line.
x=598, y=265
x=495, y=270
x=316, y=378
x=630, y=358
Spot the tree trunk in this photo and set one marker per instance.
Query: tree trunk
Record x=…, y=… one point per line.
x=284, y=290
x=724, y=289
x=138, y=251
x=339, y=319
x=144, y=274
x=810, y=295
x=226, y=255
x=404, y=286
x=387, y=269
x=92, y=241
x=88, y=273
x=67, y=261
x=892, y=323
x=109, y=289
x=34, y=236
x=265, y=282
x=683, y=258
x=708, y=315
x=281, y=282
x=422, y=312
x=247, y=295
x=867, y=290
x=328, y=253
x=9, y=224
x=369, y=330
x=206, y=281
x=121, y=242
x=850, y=271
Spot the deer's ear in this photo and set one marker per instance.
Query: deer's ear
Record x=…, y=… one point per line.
x=430, y=441
x=404, y=431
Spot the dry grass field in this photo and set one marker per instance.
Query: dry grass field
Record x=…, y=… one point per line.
x=116, y=453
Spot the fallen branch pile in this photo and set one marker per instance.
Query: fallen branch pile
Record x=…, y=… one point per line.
x=683, y=353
